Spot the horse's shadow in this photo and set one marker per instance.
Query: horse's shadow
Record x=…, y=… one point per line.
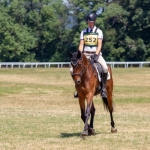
x=68, y=135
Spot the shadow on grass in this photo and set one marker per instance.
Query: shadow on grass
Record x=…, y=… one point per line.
x=68, y=135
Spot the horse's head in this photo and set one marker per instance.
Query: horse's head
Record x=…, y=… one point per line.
x=77, y=63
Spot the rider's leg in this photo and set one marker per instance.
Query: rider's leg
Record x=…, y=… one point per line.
x=104, y=91
x=104, y=76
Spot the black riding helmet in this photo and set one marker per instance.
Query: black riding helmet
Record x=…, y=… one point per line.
x=90, y=17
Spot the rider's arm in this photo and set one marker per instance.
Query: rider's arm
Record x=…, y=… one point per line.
x=99, y=47
x=100, y=39
x=81, y=45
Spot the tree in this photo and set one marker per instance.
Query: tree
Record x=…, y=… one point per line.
x=34, y=29
x=16, y=41
x=125, y=25
x=131, y=25
x=37, y=30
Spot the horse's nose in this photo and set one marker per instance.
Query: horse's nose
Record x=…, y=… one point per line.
x=78, y=81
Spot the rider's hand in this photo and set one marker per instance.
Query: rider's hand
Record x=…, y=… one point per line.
x=94, y=57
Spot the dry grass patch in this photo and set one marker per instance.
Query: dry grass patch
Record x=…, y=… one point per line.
x=38, y=111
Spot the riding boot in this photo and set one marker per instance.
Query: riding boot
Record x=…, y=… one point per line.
x=104, y=91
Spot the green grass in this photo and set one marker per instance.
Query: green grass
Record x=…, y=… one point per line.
x=38, y=111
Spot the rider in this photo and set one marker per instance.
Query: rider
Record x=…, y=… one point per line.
x=91, y=44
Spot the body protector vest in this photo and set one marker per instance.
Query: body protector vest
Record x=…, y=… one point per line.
x=90, y=38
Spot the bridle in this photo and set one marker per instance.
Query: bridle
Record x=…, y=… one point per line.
x=83, y=68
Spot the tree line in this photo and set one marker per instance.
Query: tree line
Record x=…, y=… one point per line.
x=41, y=30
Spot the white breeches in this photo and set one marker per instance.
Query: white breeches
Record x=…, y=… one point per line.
x=100, y=60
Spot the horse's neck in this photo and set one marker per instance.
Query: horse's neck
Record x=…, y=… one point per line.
x=86, y=62
x=88, y=67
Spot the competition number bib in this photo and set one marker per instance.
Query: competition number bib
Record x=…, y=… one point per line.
x=90, y=39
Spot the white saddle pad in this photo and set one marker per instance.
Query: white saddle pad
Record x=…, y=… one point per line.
x=99, y=78
x=108, y=76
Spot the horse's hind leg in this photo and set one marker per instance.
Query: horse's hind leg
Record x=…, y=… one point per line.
x=110, y=108
x=113, y=129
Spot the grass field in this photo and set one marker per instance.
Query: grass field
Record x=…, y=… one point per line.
x=38, y=111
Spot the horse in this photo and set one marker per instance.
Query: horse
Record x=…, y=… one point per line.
x=86, y=83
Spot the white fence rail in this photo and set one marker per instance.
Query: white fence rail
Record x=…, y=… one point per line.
x=67, y=64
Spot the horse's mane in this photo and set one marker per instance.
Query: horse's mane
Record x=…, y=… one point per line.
x=84, y=59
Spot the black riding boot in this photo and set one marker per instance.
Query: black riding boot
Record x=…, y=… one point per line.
x=104, y=91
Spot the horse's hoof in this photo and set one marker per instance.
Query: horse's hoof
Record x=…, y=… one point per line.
x=113, y=130
x=91, y=131
x=84, y=133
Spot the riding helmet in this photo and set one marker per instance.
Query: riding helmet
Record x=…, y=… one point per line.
x=91, y=17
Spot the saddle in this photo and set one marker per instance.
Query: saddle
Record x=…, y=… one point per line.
x=97, y=69
x=98, y=72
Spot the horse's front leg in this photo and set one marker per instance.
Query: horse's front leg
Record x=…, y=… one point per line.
x=87, y=116
x=82, y=108
x=91, y=127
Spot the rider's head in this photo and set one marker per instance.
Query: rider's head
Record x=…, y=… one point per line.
x=90, y=19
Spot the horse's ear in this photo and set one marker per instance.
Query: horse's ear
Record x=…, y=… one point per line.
x=78, y=54
x=70, y=54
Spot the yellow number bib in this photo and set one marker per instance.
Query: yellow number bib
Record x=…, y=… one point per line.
x=90, y=39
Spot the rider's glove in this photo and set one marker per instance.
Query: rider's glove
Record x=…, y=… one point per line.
x=94, y=57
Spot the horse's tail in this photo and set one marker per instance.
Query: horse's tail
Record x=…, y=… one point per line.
x=105, y=103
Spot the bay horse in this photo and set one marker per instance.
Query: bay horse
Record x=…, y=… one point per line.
x=86, y=84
